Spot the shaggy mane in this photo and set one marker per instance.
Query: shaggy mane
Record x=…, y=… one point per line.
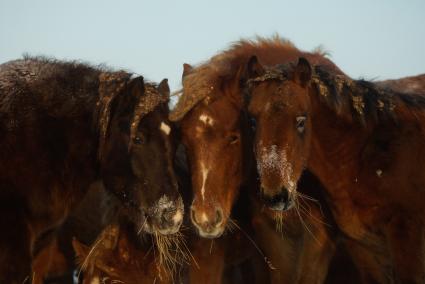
x=359, y=100
x=225, y=66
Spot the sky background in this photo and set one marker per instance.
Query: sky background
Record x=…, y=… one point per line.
x=374, y=39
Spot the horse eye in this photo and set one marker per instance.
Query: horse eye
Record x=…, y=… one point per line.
x=138, y=140
x=300, y=121
x=233, y=138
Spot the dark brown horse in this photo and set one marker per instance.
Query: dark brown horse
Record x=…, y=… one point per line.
x=216, y=133
x=364, y=143
x=64, y=125
x=118, y=253
x=411, y=84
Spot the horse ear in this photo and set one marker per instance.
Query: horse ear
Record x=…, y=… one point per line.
x=138, y=83
x=254, y=68
x=164, y=88
x=187, y=68
x=81, y=250
x=303, y=71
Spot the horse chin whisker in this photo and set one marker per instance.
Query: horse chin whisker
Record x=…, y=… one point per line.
x=304, y=196
x=307, y=211
x=230, y=226
x=211, y=246
x=184, y=228
x=90, y=258
x=278, y=219
x=299, y=209
x=142, y=226
x=172, y=251
x=265, y=258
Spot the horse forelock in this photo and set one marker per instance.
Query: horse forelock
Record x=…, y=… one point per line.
x=148, y=101
x=354, y=100
x=111, y=84
x=196, y=86
x=209, y=76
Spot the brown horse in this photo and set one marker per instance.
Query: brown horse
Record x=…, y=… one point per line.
x=64, y=125
x=365, y=145
x=216, y=130
x=131, y=257
x=411, y=84
x=106, y=245
x=216, y=133
x=119, y=257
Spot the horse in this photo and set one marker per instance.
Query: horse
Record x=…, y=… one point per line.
x=53, y=256
x=410, y=84
x=101, y=244
x=134, y=257
x=217, y=134
x=64, y=125
x=118, y=257
x=364, y=144
x=215, y=128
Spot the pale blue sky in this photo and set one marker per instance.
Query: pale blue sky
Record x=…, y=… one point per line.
x=369, y=38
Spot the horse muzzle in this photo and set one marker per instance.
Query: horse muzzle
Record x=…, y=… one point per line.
x=209, y=223
x=283, y=200
x=165, y=217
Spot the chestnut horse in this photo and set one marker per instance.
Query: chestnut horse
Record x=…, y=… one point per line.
x=364, y=144
x=215, y=128
x=64, y=125
x=217, y=136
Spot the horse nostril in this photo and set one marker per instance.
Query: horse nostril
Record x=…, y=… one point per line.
x=281, y=197
x=218, y=217
x=278, y=201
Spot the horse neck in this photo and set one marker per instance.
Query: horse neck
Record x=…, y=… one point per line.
x=336, y=145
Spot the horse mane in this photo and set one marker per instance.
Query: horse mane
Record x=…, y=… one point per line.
x=225, y=66
x=70, y=89
x=411, y=84
x=354, y=100
x=362, y=100
x=63, y=87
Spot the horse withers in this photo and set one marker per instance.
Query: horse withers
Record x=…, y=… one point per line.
x=64, y=125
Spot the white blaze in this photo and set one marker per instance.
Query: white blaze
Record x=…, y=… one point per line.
x=206, y=119
x=165, y=128
x=204, y=172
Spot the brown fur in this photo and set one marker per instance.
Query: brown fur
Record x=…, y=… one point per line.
x=365, y=145
x=301, y=243
x=411, y=84
x=215, y=88
x=64, y=125
x=215, y=261
x=116, y=258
